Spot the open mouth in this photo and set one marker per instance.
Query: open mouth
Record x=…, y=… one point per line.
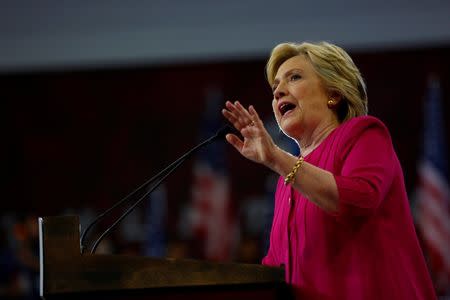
x=285, y=107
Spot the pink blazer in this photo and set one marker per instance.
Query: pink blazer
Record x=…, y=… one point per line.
x=369, y=248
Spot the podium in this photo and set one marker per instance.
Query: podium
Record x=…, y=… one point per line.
x=66, y=273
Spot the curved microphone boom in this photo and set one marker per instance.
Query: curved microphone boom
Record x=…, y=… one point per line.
x=161, y=176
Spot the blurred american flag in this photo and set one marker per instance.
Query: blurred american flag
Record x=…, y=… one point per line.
x=433, y=193
x=213, y=220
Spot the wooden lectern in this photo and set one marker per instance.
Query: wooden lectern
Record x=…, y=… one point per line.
x=66, y=274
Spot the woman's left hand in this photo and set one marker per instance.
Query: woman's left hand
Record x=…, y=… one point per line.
x=257, y=145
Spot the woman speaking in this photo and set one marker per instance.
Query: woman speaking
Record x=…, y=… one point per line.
x=342, y=226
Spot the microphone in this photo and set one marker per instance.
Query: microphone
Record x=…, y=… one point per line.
x=162, y=175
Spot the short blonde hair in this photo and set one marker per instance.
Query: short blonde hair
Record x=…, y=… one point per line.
x=335, y=68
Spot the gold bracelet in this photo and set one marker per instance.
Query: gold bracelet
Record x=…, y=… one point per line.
x=291, y=176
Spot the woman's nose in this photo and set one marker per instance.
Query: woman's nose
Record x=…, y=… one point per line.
x=280, y=91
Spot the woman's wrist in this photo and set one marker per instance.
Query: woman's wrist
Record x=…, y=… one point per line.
x=290, y=178
x=280, y=161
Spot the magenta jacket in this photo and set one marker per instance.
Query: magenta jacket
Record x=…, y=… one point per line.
x=369, y=248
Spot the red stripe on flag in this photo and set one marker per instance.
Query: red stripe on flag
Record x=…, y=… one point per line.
x=434, y=191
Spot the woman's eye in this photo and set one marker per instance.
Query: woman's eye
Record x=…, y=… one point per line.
x=295, y=77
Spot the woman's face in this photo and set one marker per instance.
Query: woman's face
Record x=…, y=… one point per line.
x=300, y=98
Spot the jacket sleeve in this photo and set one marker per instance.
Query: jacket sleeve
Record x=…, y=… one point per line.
x=367, y=171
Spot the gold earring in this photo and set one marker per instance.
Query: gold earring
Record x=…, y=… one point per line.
x=331, y=103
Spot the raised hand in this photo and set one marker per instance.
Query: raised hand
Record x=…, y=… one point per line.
x=257, y=145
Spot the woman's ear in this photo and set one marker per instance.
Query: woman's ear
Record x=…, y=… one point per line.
x=336, y=96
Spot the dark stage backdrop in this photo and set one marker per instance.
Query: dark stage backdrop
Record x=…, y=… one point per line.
x=78, y=138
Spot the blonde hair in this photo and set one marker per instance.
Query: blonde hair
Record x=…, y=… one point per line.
x=335, y=68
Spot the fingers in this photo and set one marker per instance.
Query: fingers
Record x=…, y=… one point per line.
x=235, y=115
x=238, y=115
x=254, y=115
x=235, y=142
x=231, y=118
x=244, y=113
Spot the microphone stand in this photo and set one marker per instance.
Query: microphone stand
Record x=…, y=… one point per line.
x=164, y=173
x=130, y=209
x=123, y=200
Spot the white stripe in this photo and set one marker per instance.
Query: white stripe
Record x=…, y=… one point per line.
x=432, y=175
x=436, y=209
x=434, y=237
